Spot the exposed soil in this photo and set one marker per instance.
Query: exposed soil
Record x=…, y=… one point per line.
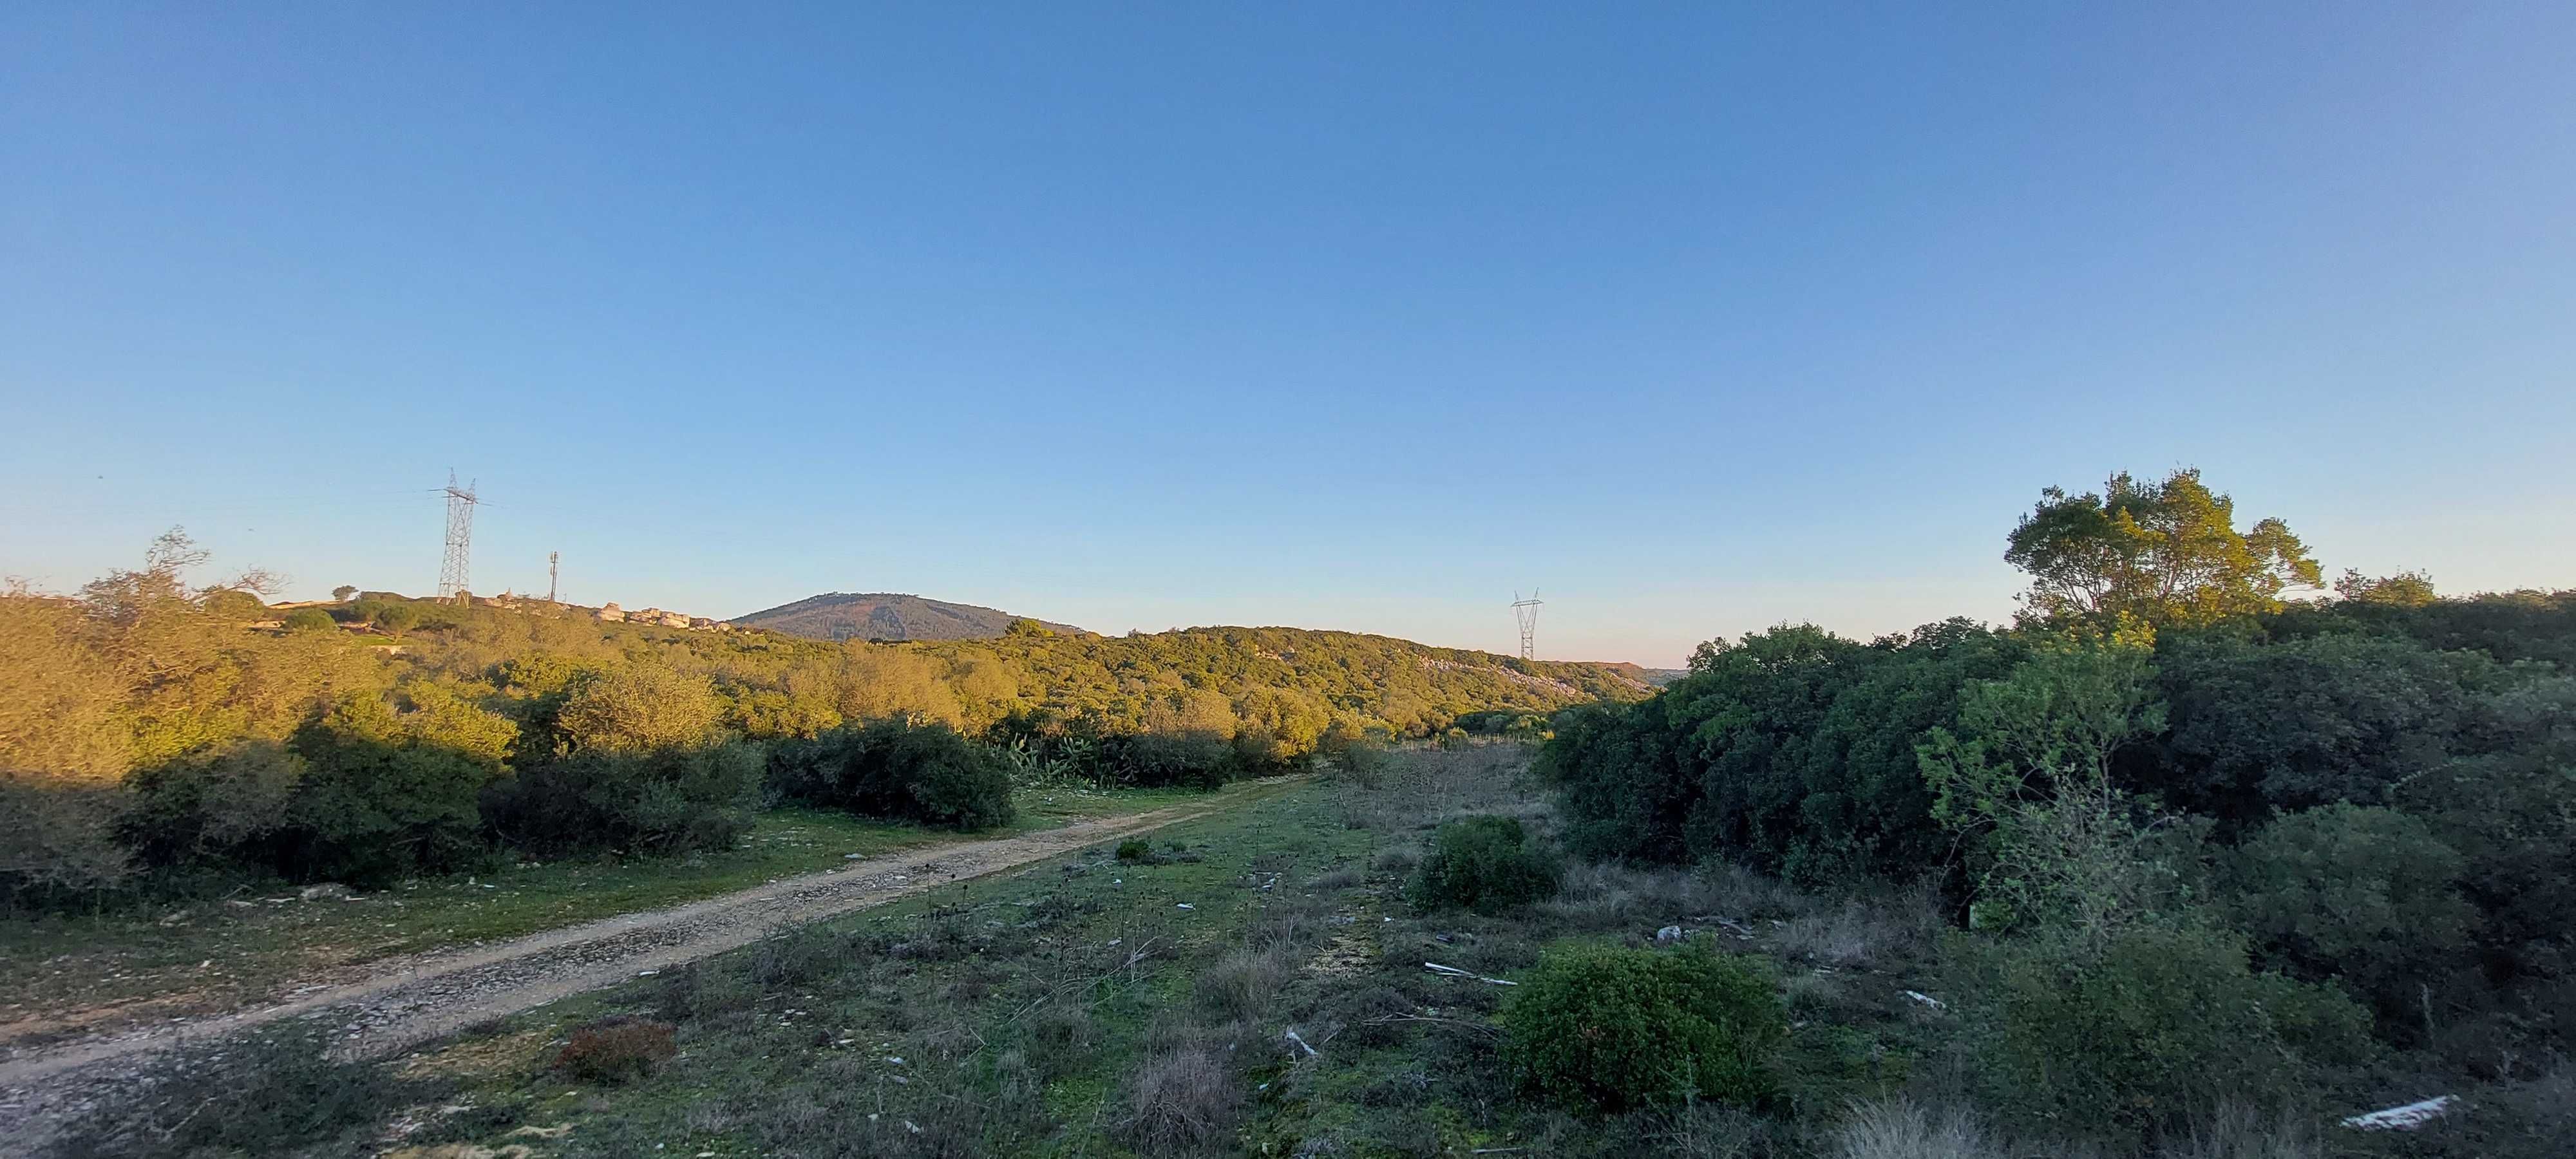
x=392, y=1004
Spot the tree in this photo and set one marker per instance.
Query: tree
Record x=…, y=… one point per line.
x=396, y=617
x=641, y=709
x=343, y=592
x=2164, y=553
x=2406, y=589
x=234, y=604
x=310, y=620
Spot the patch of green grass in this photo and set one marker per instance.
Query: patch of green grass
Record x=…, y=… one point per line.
x=65, y=975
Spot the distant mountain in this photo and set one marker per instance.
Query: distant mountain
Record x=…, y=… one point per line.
x=884, y=616
x=1655, y=677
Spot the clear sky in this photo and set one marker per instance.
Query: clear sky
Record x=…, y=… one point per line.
x=1695, y=317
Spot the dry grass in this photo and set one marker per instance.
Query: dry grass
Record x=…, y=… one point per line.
x=1415, y=788
x=1899, y=1128
x=1183, y=1101
x=2242, y=1133
x=1336, y=881
x=1242, y=983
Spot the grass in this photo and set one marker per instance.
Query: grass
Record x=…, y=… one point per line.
x=1075, y=1007
x=66, y=975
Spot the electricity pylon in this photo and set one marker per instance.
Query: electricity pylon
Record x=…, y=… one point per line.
x=1526, y=611
x=460, y=540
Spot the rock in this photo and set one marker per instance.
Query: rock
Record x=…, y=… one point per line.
x=328, y=889
x=1668, y=935
x=1927, y=1000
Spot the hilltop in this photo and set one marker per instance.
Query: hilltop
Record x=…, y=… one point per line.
x=886, y=616
x=1653, y=677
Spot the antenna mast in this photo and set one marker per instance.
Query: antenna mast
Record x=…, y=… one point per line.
x=1526, y=611
x=460, y=540
x=554, y=561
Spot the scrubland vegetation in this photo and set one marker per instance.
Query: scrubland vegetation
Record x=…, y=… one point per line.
x=2176, y=866
x=159, y=740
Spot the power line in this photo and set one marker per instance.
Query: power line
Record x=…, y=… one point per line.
x=452, y=579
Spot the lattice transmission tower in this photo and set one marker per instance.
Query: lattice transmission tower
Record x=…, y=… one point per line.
x=554, y=564
x=460, y=540
x=1526, y=611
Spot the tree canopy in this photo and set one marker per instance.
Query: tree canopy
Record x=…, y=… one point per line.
x=2162, y=553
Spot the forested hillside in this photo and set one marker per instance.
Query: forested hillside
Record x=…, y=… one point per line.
x=885, y=616
x=148, y=727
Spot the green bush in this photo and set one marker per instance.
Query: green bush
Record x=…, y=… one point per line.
x=375, y=800
x=310, y=620
x=2158, y=1025
x=891, y=768
x=2364, y=895
x=1605, y=1029
x=1135, y=851
x=1484, y=863
x=663, y=801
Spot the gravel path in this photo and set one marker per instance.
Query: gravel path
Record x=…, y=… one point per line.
x=401, y=1002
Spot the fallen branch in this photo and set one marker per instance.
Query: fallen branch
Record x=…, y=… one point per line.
x=1455, y=972
x=1478, y=1027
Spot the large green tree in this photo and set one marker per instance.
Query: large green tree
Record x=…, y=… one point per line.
x=2165, y=553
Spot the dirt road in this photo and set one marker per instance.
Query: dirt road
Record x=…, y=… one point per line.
x=401, y=1002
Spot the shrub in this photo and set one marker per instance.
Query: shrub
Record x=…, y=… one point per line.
x=310, y=620
x=1155, y=761
x=1484, y=863
x=2160, y=1024
x=2364, y=895
x=1135, y=850
x=925, y=773
x=615, y=1049
x=666, y=801
x=1605, y=1029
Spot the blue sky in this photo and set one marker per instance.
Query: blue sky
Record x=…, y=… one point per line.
x=1697, y=318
